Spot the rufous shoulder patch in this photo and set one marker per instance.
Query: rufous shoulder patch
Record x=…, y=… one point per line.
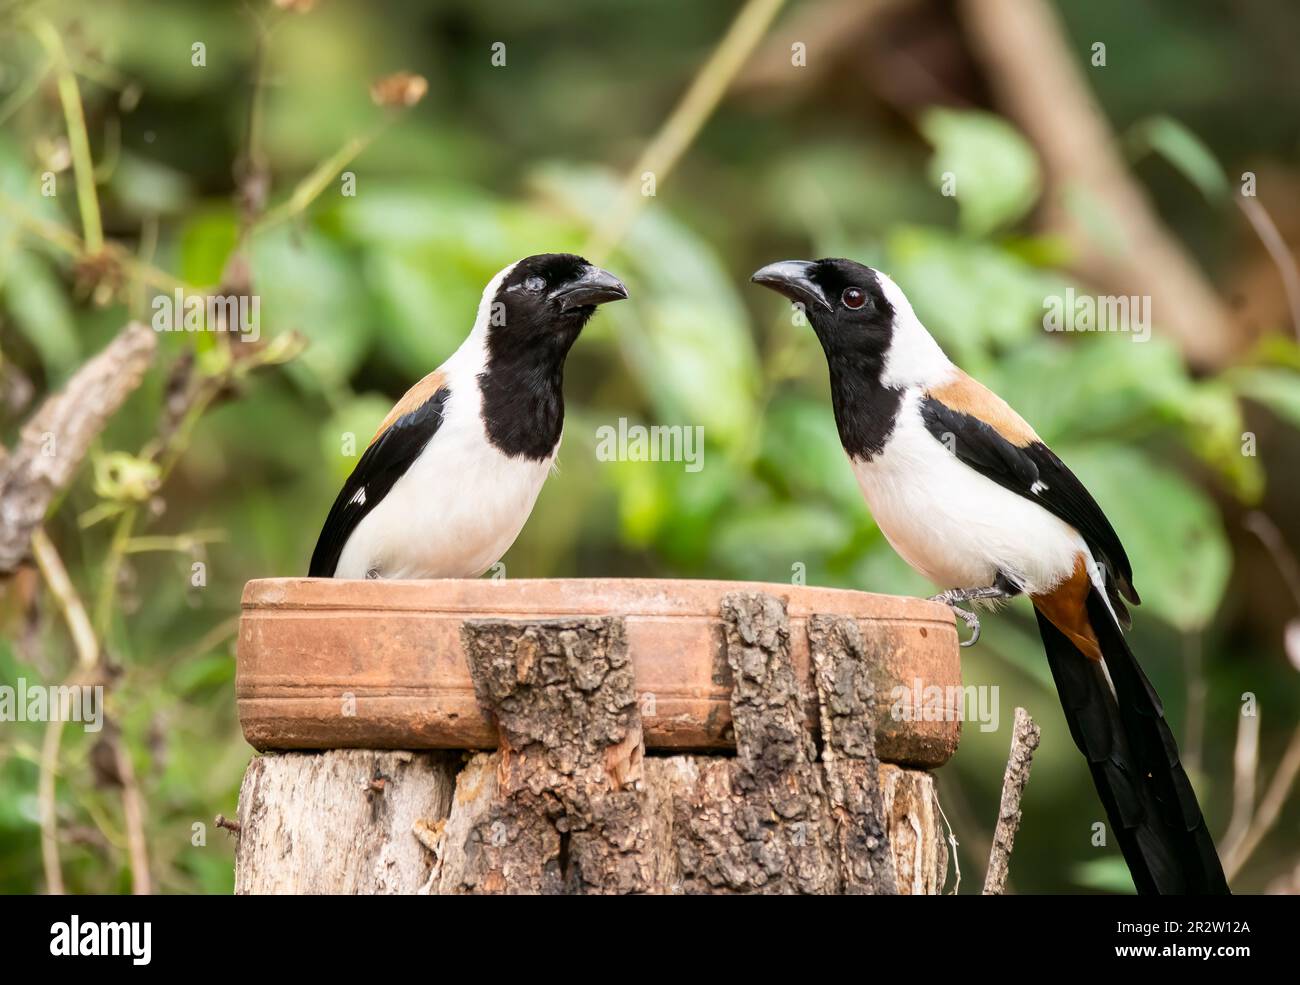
x=969, y=396
x=411, y=400
x=1066, y=608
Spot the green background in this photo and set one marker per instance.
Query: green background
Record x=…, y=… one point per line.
x=498, y=162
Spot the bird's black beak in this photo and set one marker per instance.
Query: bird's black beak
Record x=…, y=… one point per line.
x=793, y=278
x=592, y=286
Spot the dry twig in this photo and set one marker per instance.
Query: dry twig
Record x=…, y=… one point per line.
x=1024, y=740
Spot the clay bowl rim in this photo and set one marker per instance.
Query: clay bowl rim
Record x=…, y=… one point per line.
x=350, y=593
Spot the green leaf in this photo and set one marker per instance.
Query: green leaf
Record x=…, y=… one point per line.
x=476, y=231
x=38, y=304
x=882, y=570
x=1109, y=385
x=308, y=283
x=969, y=294
x=145, y=187
x=644, y=500
x=1276, y=389
x=207, y=672
x=1107, y=874
x=1214, y=427
x=992, y=167
x=346, y=434
x=801, y=451
x=1184, y=150
x=763, y=542
x=1092, y=385
x=426, y=306
x=1170, y=529
x=1276, y=350
x=685, y=333
x=206, y=242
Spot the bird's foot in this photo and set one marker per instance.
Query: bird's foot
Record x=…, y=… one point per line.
x=951, y=597
x=956, y=595
x=972, y=622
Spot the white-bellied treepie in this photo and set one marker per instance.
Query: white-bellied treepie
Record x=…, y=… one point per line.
x=451, y=475
x=970, y=497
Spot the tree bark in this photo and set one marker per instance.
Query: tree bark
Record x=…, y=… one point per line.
x=570, y=803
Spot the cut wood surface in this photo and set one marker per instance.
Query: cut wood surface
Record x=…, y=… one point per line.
x=571, y=803
x=381, y=664
x=343, y=822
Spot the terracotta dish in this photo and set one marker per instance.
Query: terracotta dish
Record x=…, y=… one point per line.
x=326, y=664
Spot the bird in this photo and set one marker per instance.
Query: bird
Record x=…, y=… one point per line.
x=453, y=471
x=968, y=495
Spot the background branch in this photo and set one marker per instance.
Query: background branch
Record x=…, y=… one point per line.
x=1033, y=72
x=59, y=435
x=681, y=127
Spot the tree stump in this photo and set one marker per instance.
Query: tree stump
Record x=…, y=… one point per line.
x=571, y=802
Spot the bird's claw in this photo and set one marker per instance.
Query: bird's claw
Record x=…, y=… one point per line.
x=971, y=620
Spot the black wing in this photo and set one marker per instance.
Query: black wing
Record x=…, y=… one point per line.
x=382, y=464
x=1034, y=471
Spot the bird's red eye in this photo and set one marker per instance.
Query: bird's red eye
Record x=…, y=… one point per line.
x=853, y=297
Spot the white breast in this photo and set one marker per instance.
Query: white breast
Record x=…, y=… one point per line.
x=462, y=502
x=952, y=524
x=454, y=513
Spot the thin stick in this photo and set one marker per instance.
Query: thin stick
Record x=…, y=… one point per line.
x=133, y=812
x=677, y=132
x=1269, y=809
x=87, y=646
x=1262, y=526
x=952, y=846
x=74, y=612
x=1245, y=768
x=311, y=187
x=74, y=116
x=48, y=807
x=111, y=572
x=1278, y=252
x=70, y=243
x=1024, y=740
x=180, y=543
x=1194, y=722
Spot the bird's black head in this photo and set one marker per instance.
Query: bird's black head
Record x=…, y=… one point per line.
x=850, y=309
x=534, y=314
x=543, y=301
x=845, y=301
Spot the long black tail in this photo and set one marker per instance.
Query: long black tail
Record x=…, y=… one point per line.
x=1134, y=761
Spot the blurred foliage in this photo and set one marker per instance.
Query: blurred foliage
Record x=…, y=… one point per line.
x=501, y=162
